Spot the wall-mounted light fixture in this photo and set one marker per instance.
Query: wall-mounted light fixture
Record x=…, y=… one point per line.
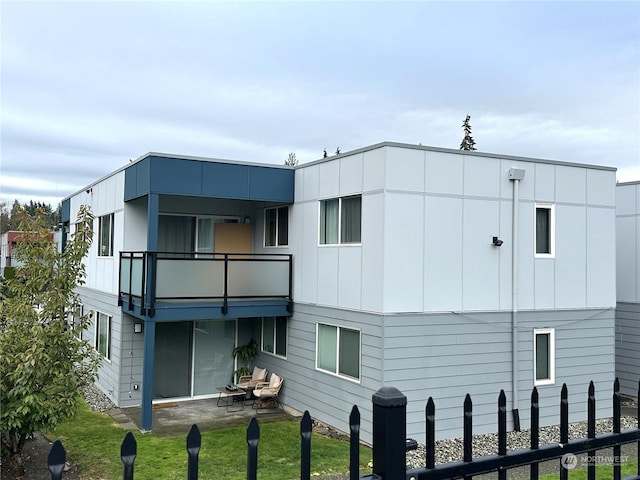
x=137, y=328
x=496, y=242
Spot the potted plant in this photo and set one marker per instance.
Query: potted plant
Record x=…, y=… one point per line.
x=245, y=354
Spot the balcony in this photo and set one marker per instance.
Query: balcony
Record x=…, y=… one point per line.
x=152, y=280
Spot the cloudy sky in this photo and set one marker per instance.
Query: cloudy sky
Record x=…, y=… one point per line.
x=86, y=86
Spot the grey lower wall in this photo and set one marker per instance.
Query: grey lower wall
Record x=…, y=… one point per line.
x=327, y=397
x=109, y=374
x=628, y=347
x=446, y=356
x=131, y=365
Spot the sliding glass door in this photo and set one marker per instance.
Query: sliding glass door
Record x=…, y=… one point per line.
x=213, y=361
x=172, y=367
x=193, y=358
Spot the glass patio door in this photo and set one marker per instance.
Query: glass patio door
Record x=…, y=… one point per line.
x=212, y=360
x=192, y=358
x=172, y=360
x=205, y=235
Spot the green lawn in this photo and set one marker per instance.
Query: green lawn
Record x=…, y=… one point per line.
x=603, y=472
x=92, y=441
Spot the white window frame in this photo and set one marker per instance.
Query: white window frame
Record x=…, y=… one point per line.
x=96, y=336
x=109, y=246
x=339, y=226
x=552, y=356
x=277, y=210
x=552, y=230
x=275, y=338
x=337, y=372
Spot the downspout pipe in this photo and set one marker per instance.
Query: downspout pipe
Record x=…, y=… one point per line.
x=515, y=175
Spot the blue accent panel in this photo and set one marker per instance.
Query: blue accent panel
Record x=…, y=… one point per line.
x=130, y=180
x=147, y=374
x=211, y=310
x=265, y=181
x=175, y=177
x=225, y=180
x=153, y=211
x=208, y=178
x=65, y=211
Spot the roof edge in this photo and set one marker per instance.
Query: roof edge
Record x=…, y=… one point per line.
x=457, y=152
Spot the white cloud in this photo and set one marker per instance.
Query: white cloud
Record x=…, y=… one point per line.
x=86, y=86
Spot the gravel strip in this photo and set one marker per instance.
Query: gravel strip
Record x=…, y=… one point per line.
x=487, y=444
x=97, y=401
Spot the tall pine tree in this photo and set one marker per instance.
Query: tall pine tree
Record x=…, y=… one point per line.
x=468, y=143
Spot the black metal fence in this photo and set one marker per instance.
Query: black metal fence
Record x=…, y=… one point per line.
x=390, y=443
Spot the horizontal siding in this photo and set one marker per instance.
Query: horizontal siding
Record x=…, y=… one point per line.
x=327, y=397
x=628, y=347
x=447, y=356
x=131, y=364
x=109, y=374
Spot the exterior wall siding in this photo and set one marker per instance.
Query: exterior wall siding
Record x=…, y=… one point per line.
x=104, y=197
x=628, y=286
x=628, y=347
x=446, y=356
x=427, y=223
x=109, y=374
x=131, y=363
x=328, y=397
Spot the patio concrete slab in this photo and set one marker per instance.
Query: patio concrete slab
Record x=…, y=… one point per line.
x=176, y=418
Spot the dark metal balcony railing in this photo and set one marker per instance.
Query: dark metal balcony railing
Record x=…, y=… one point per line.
x=166, y=276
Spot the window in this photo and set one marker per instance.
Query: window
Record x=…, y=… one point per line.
x=340, y=220
x=274, y=335
x=338, y=351
x=103, y=335
x=105, y=236
x=544, y=228
x=276, y=227
x=544, y=357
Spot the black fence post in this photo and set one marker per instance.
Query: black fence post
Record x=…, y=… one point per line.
x=389, y=433
x=591, y=430
x=467, y=440
x=56, y=460
x=354, y=444
x=128, y=451
x=253, y=437
x=502, y=430
x=564, y=426
x=430, y=444
x=616, y=429
x=194, y=442
x=305, y=446
x=535, y=431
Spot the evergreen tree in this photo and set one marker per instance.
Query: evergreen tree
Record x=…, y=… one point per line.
x=468, y=143
x=4, y=218
x=291, y=160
